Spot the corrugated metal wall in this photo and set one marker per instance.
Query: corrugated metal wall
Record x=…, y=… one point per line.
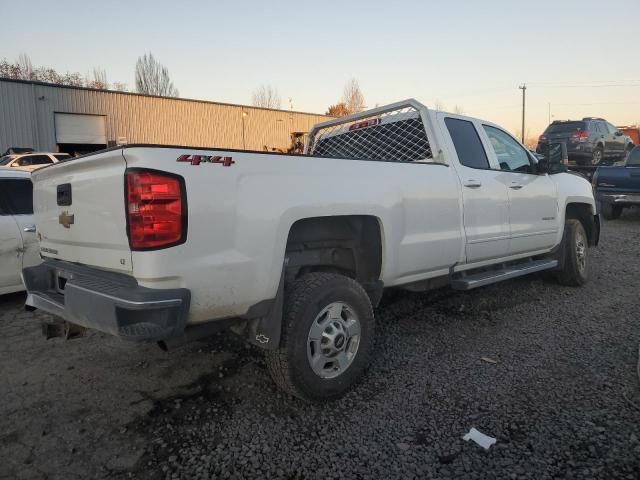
x=27, y=119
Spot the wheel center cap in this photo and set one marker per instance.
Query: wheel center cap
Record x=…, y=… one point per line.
x=339, y=341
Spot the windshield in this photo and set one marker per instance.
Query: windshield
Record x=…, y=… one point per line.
x=634, y=157
x=565, y=127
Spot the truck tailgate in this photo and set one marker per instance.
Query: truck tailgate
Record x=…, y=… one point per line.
x=79, y=209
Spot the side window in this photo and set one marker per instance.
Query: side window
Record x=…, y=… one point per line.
x=611, y=128
x=16, y=196
x=61, y=156
x=602, y=128
x=38, y=160
x=467, y=142
x=511, y=156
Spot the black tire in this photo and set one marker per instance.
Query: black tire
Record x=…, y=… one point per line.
x=305, y=300
x=611, y=211
x=574, y=270
x=597, y=155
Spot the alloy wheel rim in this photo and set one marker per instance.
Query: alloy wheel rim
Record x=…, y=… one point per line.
x=597, y=156
x=333, y=340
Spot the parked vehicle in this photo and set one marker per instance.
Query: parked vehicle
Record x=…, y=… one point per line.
x=618, y=187
x=589, y=141
x=18, y=244
x=293, y=251
x=32, y=160
x=631, y=131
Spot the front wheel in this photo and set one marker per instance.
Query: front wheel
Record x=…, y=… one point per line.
x=327, y=337
x=576, y=246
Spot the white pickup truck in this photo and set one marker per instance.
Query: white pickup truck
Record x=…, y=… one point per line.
x=169, y=244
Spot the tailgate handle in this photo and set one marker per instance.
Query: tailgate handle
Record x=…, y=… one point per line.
x=63, y=194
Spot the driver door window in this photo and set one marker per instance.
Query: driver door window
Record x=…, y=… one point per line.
x=510, y=154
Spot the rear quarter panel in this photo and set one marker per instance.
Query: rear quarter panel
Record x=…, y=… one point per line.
x=240, y=217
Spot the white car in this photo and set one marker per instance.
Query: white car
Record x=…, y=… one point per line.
x=18, y=244
x=293, y=251
x=31, y=161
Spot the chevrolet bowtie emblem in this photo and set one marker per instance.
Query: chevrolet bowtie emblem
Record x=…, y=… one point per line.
x=65, y=219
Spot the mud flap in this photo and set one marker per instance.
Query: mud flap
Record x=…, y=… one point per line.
x=265, y=331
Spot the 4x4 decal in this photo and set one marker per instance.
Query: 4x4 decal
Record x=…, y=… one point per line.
x=198, y=159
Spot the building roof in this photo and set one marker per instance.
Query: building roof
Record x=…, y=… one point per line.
x=55, y=85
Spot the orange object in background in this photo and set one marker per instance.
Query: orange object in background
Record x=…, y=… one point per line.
x=632, y=131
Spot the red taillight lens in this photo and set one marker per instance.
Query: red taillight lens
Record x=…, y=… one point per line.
x=581, y=135
x=542, y=138
x=156, y=211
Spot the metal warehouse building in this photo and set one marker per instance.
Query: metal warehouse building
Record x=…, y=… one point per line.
x=76, y=120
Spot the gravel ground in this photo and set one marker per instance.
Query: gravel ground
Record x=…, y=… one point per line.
x=560, y=393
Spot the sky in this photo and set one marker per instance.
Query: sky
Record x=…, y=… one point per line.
x=577, y=58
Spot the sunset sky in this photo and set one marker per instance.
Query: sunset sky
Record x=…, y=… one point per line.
x=576, y=57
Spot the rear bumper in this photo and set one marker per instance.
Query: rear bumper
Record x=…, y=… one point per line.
x=619, y=198
x=109, y=302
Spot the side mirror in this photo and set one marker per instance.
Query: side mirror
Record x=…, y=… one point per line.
x=552, y=157
x=618, y=133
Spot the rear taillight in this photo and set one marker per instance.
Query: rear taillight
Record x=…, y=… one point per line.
x=542, y=138
x=156, y=209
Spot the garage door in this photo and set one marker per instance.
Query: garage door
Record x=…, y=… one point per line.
x=80, y=129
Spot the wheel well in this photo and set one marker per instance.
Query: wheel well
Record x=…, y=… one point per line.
x=346, y=244
x=585, y=214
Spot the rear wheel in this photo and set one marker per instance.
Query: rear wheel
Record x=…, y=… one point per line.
x=576, y=246
x=327, y=338
x=597, y=155
x=611, y=211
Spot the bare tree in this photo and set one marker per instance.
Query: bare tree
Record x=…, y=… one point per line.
x=266, y=96
x=438, y=105
x=353, y=97
x=98, y=79
x=338, y=110
x=25, y=67
x=459, y=109
x=152, y=78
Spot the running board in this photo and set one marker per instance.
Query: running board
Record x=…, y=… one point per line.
x=475, y=280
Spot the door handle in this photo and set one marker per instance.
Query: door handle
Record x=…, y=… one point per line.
x=515, y=186
x=472, y=184
x=29, y=229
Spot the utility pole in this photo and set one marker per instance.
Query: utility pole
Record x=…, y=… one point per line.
x=523, y=87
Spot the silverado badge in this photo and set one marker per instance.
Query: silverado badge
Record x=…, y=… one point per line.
x=65, y=219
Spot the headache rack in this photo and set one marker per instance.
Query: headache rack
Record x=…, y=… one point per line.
x=394, y=132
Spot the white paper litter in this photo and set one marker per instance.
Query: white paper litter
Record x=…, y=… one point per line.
x=485, y=441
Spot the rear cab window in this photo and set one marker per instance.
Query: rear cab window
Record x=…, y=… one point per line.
x=566, y=127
